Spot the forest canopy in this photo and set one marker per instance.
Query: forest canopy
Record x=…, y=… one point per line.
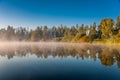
x=107, y=30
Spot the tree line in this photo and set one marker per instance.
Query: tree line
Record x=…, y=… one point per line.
x=108, y=29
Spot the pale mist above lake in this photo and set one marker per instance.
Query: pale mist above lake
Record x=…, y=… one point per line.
x=59, y=61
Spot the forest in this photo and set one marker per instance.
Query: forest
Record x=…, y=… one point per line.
x=108, y=31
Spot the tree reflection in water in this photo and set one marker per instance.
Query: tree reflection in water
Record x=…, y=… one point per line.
x=108, y=55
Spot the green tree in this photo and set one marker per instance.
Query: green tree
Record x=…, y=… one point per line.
x=99, y=32
x=118, y=22
x=93, y=33
x=39, y=33
x=45, y=33
x=34, y=36
x=79, y=34
x=67, y=35
x=107, y=25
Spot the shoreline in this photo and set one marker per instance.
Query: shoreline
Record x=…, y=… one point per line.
x=45, y=42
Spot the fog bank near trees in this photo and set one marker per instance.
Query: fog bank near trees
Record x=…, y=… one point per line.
x=107, y=30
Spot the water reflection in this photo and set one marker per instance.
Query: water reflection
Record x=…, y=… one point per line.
x=108, y=55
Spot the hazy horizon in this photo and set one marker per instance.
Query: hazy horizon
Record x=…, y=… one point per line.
x=32, y=13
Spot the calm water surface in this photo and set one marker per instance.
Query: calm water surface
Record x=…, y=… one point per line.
x=59, y=61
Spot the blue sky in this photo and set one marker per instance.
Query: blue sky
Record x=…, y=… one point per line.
x=31, y=13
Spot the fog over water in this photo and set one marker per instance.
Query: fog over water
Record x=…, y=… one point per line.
x=58, y=61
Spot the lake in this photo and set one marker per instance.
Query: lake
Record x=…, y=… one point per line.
x=59, y=61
